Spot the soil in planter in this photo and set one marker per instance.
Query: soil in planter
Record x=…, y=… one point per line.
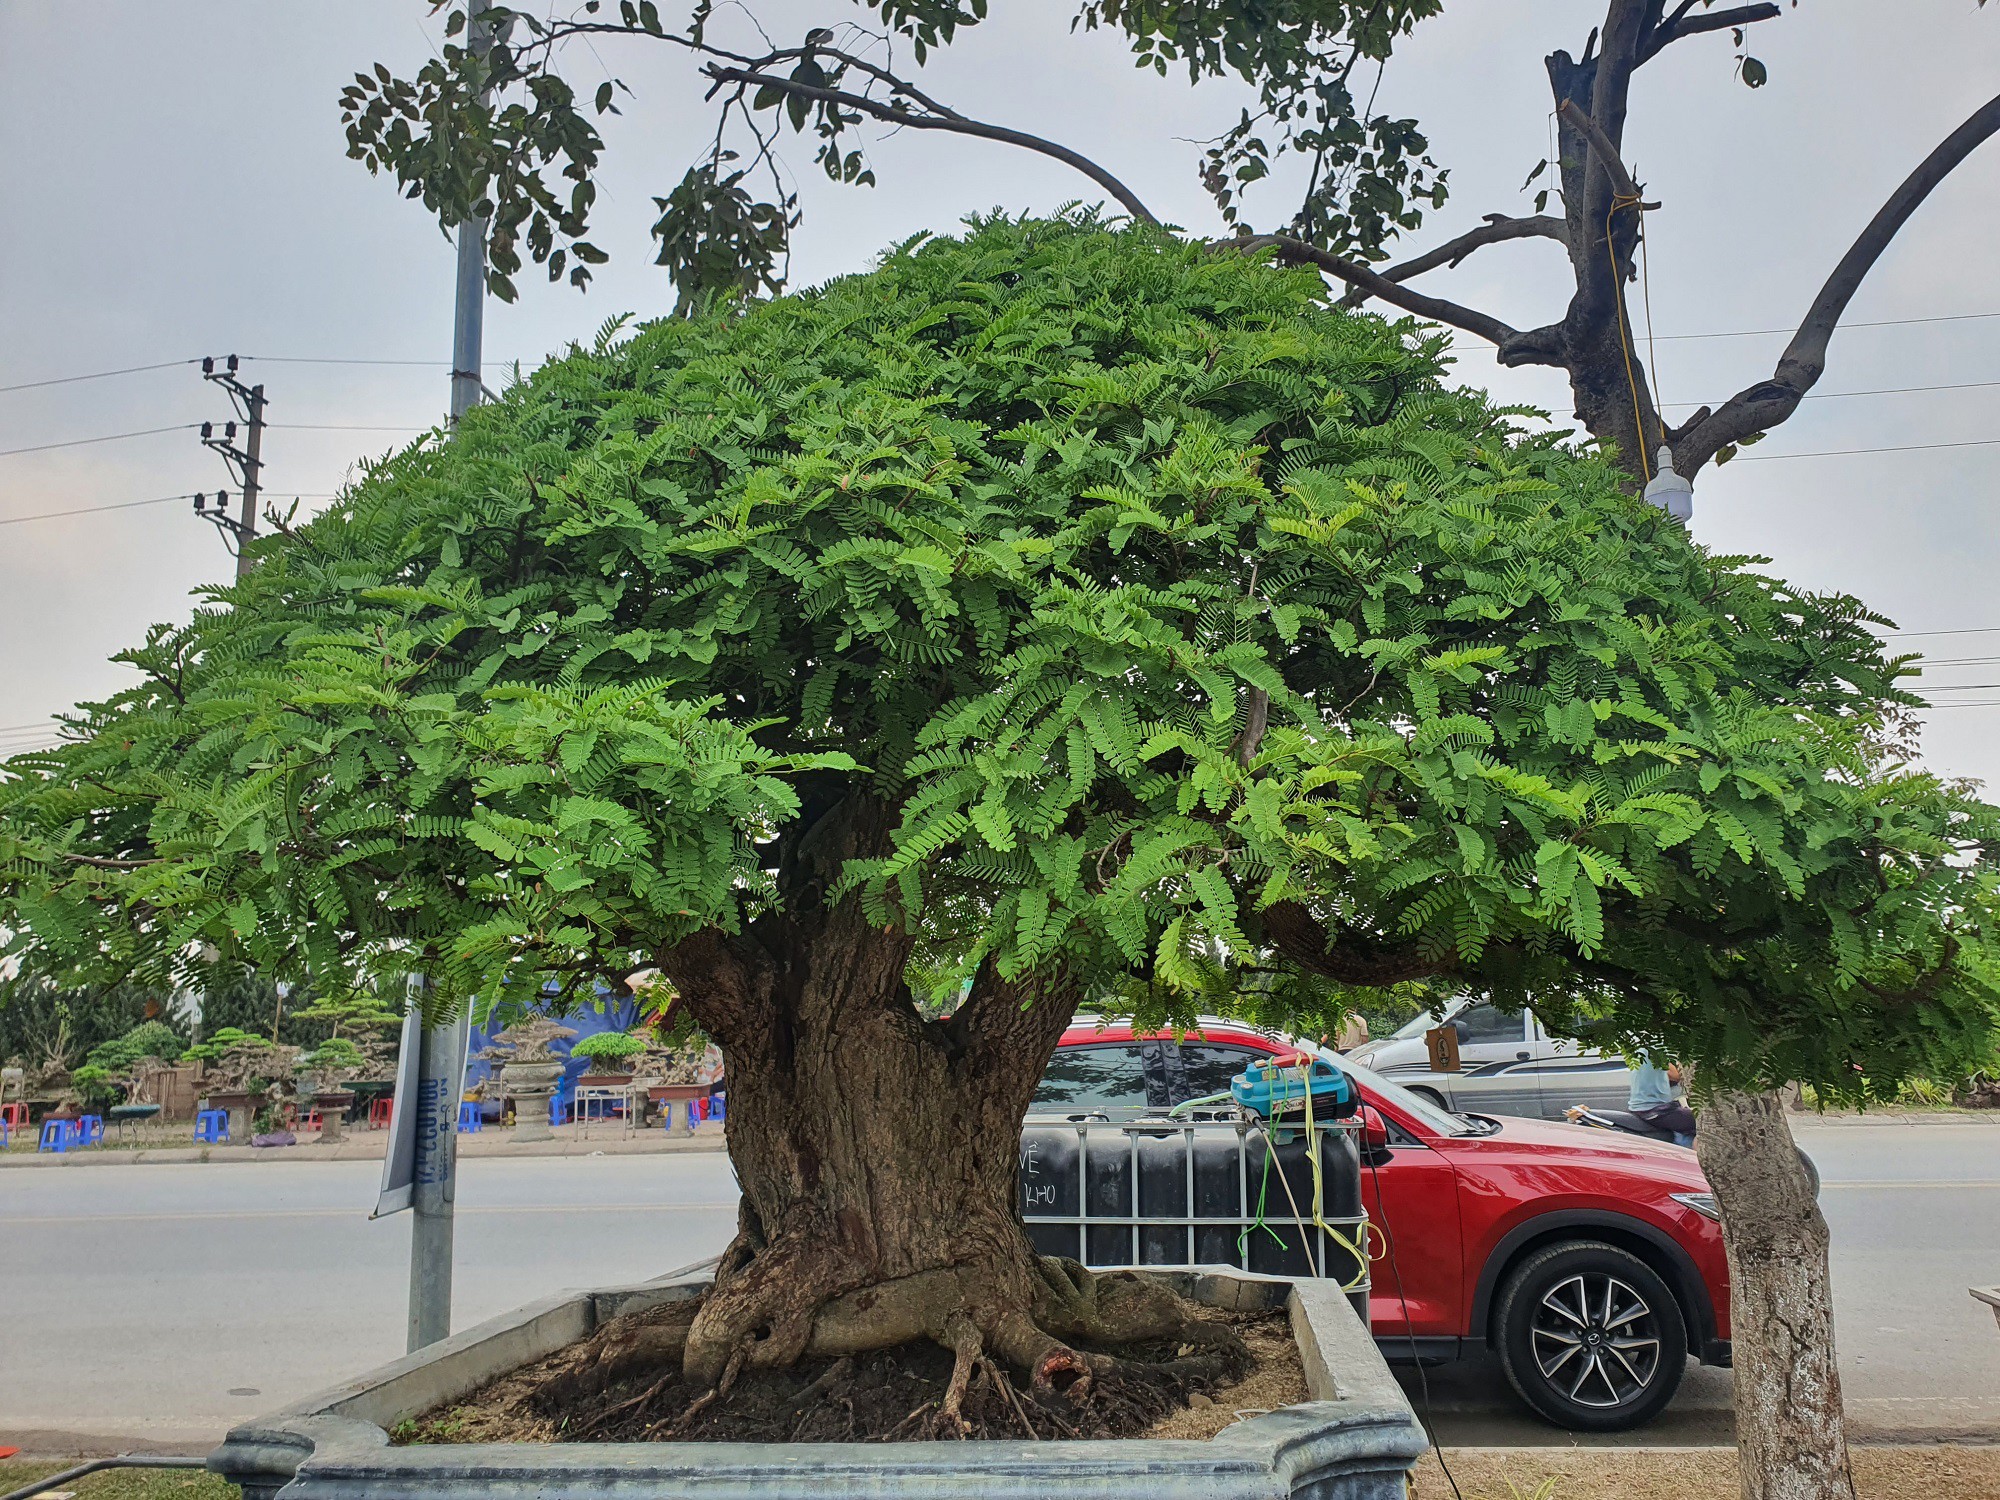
x=1158, y=1390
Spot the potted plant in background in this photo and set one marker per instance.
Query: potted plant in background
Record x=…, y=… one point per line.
x=327, y=1069
x=671, y=1073
x=115, y=1080
x=529, y=1068
x=243, y=1074
x=611, y=1056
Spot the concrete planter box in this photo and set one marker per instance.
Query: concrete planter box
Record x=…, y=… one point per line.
x=1355, y=1440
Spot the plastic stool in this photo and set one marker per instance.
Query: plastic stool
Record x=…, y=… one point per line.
x=4, y=1132
x=89, y=1130
x=718, y=1106
x=14, y=1116
x=307, y=1119
x=380, y=1111
x=57, y=1136
x=469, y=1118
x=212, y=1125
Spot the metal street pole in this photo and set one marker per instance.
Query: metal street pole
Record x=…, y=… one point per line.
x=468, y=321
x=253, y=471
x=440, y=1074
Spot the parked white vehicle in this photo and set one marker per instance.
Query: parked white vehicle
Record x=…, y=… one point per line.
x=1508, y=1065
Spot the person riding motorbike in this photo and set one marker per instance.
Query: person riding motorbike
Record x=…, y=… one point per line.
x=1657, y=1098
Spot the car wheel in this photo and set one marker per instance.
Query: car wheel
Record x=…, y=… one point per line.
x=1591, y=1337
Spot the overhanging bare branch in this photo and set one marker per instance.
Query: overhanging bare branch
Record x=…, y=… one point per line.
x=1769, y=402
x=907, y=107
x=1375, y=284
x=1496, y=229
x=1683, y=24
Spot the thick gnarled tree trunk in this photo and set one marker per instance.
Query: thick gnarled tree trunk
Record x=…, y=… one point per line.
x=1789, y=1423
x=876, y=1151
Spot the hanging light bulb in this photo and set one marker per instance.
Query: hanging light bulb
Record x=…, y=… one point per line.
x=1670, y=490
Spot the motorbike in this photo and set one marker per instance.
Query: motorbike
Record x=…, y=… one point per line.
x=1616, y=1119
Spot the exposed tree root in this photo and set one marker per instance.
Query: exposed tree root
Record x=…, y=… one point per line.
x=1129, y=1356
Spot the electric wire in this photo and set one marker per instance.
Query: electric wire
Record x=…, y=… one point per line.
x=90, y=510
x=1765, y=458
x=109, y=437
x=36, y=385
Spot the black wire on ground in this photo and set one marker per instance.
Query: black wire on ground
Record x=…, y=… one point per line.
x=1423, y=1377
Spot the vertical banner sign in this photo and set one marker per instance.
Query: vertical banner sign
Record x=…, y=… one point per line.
x=399, y=1162
x=420, y=1166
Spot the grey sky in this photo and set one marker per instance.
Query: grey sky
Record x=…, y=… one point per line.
x=174, y=185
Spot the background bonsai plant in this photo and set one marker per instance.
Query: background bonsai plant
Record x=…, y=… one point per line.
x=609, y=1051
x=1051, y=610
x=120, y=1071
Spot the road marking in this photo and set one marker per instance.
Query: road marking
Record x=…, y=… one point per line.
x=1911, y=1182
x=13, y=1220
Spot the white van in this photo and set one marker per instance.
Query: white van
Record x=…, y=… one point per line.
x=1507, y=1065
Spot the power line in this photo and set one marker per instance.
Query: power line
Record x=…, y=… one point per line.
x=1765, y=458
x=116, y=437
x=343, y=427
x=111, y=437
x=36, y=385
x=285, y=359
x=86, y=510
x=1751, y=333
x=91, y=510
x=1889, y=390
x=1966, y=630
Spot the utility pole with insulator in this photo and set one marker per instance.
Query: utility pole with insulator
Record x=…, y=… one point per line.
x=468, y=319
x=246, y=462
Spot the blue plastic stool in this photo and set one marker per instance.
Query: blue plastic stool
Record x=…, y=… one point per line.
x=90, y=1130
x=57, y=1136
x=4, y=1134
x=469, y=1118
x=718, y=1108
x=212, y=1125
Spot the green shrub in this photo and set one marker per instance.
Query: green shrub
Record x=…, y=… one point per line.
x=609, y=1047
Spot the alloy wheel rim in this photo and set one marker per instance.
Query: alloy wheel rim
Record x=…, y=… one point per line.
x=1596, y=1340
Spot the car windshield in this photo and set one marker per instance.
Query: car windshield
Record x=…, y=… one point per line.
x=1433, y=1119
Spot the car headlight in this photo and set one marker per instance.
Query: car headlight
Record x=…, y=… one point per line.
x=1702, y=1203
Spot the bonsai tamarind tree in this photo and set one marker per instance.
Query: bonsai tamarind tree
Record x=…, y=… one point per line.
x=1051, y=608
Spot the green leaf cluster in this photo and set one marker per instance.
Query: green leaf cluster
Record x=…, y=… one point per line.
x=1191, y=634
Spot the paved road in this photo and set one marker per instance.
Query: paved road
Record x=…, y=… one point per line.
x=1914, y=1209
x=162, y=1303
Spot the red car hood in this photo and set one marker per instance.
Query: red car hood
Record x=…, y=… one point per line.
x=1584, y=1144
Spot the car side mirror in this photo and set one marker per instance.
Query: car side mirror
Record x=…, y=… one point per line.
x=1374, y=1129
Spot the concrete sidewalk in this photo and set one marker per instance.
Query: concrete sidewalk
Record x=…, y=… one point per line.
x=369, y=1145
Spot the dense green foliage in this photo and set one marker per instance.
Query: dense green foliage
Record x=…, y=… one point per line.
x=1027, y=535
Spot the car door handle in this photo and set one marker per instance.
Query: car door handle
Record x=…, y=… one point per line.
x=1522, y=1056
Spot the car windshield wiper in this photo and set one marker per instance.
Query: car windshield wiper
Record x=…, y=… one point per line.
x=1481, y=1125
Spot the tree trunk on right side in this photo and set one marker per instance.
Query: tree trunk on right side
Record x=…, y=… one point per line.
x=1790, y=1433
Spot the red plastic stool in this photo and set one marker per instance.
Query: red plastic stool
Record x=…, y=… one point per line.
x=379, y=1111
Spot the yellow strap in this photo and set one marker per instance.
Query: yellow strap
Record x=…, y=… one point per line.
x=1359, y=1252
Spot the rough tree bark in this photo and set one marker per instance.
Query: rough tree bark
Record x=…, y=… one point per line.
x=876, y=1149
x=1789, y=1424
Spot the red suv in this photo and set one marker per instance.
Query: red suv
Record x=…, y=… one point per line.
x=1591, y=1262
